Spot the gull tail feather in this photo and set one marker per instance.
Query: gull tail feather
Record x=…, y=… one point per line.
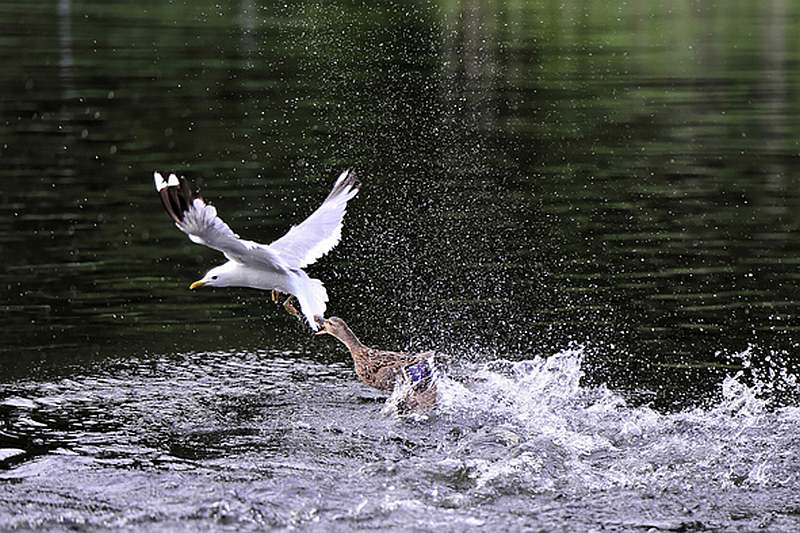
x=312, y=297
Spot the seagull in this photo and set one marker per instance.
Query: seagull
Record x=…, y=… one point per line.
x=277, y=266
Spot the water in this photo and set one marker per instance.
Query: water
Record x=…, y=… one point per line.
x=591, y=209
x=247, y=440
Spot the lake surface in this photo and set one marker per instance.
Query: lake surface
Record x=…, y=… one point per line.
x=593, y=209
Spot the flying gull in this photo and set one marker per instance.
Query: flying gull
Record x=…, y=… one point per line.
x=277, y=266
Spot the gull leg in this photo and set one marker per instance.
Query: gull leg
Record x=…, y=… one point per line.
x=278, y=296
x=290, y=308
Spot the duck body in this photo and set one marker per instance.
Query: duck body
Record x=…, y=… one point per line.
x=383, y=369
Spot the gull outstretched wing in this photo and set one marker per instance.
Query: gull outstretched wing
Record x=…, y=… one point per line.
x=200, y=222
x=317, y=235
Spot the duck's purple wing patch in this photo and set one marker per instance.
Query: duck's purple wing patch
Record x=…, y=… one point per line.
x=419, y=372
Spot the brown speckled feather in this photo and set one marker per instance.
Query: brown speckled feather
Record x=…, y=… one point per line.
x=379, y=368
x=382, y=369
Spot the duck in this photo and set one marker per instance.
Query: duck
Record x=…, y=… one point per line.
x=384, y=370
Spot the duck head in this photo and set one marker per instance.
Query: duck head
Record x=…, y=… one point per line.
x=332, y=326
x=336, y=326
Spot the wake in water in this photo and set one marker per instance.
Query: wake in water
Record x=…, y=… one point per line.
x=550, y=433
x=259, y=440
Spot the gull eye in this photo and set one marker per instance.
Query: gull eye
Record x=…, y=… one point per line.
x=214, y=277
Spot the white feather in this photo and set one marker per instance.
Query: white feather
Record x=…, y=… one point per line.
x=277, y=266
x=311, y=295
x=321, y=231
x=160, y=182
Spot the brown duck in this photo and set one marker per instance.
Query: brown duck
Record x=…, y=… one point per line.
x=383, y=369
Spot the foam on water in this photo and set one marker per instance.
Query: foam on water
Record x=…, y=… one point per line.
x=272, y=440
x=560, y=435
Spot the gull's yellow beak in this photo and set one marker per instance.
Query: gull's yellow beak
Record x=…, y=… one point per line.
x=196, y=284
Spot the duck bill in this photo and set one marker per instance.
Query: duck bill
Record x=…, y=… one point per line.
x=196, y=285
x=321, y=324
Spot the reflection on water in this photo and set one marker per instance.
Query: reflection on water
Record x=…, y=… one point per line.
x=622, y=176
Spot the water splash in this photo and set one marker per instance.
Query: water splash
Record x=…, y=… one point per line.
x=267, y=439
x=549, y=432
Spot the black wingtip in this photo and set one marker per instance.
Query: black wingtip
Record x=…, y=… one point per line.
x=352, y=177
x=177, y=199
x=350, y=181
x=166, y=201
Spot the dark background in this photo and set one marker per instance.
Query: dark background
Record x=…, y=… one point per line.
x=619, y=175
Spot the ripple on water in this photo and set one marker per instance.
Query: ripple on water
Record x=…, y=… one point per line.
x=268, y=439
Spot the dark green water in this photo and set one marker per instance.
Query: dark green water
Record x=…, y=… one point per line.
x=624, y=176
x=533, y=174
